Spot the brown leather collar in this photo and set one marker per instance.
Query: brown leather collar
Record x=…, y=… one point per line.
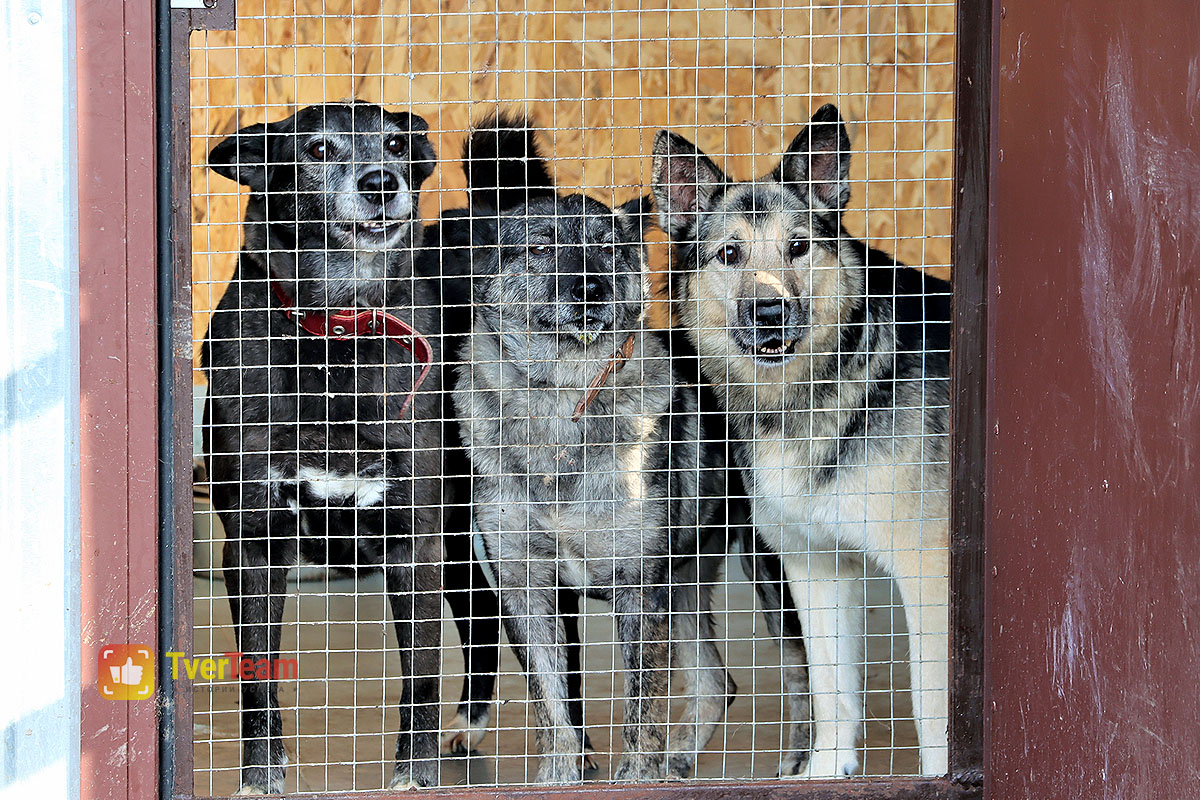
x=614, y=365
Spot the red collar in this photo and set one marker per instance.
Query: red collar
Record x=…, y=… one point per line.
x=348, y=323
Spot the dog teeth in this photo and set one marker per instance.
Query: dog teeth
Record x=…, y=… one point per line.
x=587, y=337
x=775, y=351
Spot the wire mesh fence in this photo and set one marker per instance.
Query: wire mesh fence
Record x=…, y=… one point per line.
x=566, y=410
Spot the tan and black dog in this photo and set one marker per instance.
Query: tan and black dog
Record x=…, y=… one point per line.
x=832, y=363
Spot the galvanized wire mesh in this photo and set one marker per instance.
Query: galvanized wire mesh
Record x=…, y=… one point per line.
x=597, y=84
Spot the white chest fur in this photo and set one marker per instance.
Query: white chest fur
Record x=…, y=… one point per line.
x=798, y=505
x=334, y=487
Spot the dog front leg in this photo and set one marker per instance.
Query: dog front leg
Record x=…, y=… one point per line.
x=415, y=594
x=710, y=688
x=783, y=624
x=256, y=595
x=476, y=611
x=537, y=637
x=924, y=588
x=828, y=591
x=568, y=610
x=641, y=617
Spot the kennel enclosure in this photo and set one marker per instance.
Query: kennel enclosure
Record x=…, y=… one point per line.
x=890, y=69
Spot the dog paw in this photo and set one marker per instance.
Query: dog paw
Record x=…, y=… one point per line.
x=462, y=737
x=792, y=764
x=590, y=762
x=640, y=767
x=262, y=780
x=403, y=781
x=559, y=769
x=679, y=765
x=415, y=774
x=829, y=764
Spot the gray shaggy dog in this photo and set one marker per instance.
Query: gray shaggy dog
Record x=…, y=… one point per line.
x=832, y=362
x=592, y=475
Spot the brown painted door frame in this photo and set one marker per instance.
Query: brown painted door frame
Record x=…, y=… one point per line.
x=1093, y=503
x=114, y=77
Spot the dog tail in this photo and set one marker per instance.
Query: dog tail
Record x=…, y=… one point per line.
x=503, y=164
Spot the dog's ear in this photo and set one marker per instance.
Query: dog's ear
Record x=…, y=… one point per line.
x=503, y=163
x=818, y=160
x=420, y=152
x=413, y=123
x=242, y=157
x=685, y=181
x=638, y=213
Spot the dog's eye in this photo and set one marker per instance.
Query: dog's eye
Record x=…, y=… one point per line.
x=318, y=150
x=395, y=145
x=798, y=248
x=729, y=254
x=539, y=249
x=608, y=248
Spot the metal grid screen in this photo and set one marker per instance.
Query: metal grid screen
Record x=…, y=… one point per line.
x=725, y=567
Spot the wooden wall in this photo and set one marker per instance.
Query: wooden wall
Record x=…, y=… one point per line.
x=603, y=78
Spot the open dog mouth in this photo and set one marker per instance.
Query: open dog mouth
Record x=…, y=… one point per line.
x=774, y=355
x=584, y=329
x=770, y=329
x=587, y=330
x=373, y=228
x=770, y=351
x=372, y=231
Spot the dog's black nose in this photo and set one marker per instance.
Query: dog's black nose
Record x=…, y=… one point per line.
x=379, y=186
x=769, y=313
x=589, y=288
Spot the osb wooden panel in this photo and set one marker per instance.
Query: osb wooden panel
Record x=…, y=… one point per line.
x=602, y=79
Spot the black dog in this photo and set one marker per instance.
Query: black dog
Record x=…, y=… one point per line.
x=326, y=415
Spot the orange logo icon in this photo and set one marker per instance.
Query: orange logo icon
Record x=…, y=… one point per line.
x=126, y=672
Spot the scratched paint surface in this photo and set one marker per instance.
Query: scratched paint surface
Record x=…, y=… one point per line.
x=1094, y=506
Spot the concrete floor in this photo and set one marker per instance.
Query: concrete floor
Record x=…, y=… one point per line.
x=341, y=714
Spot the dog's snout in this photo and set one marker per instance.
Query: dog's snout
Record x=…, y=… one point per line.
x=379, y=186
x=578, y=287
x=770, y=324
x=589, y=288
x=769, y=312
x=584, y=302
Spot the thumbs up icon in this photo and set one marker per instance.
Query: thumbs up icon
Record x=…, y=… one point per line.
x=126, y=672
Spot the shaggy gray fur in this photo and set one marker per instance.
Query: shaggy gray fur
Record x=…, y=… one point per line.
x=610, y=506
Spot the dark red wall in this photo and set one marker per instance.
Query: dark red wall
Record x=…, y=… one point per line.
x=118, y=379
x=1094, y=402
